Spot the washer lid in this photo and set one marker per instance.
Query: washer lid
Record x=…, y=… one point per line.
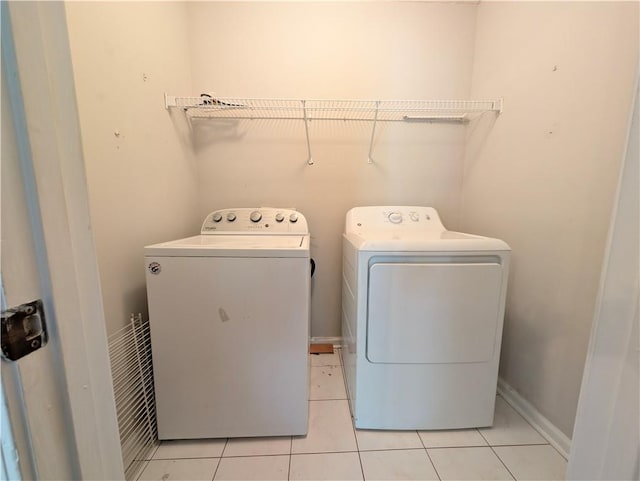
x=233, y=246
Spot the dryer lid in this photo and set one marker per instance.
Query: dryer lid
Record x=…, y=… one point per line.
x=446, y=241
x=411, y=229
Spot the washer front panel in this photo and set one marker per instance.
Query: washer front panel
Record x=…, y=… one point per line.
x=230, y=346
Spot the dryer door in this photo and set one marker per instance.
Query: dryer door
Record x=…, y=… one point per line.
x=433, y=312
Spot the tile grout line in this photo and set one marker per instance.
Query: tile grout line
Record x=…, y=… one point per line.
x=336, y=399
x=536, y=429
x=271, y=455
x=377, y=450
x=147, y=461
x=494, y=451
x=353, y=423
x=460, y=447
x=155, y=450
x=353, y=428
x=331, y=399
x=215, y=471
x=358, y=448
x=547, y=441
x=482, y=435
x=501, y=445
x=322, y=452
x=290, y=455
x=220, y=459
x=429, y=456
x=502, y=462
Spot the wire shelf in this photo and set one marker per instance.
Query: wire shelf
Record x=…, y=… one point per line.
x=359, y=110
x=374, y=111
x=132, y=372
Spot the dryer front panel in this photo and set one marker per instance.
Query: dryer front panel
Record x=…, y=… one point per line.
x=433, y=312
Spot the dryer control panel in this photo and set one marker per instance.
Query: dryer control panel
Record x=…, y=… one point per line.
x=255, y=220
x=392, y=217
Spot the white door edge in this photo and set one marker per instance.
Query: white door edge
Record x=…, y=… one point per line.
x=608, y=380
x=46, y=78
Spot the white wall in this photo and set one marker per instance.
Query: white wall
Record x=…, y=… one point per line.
x=363, y=50
x=544, y=178
x=141, y=179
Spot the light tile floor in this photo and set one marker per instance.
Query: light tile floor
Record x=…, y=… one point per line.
x=334, y=450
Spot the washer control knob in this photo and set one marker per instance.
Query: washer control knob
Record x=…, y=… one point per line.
x=414, y=216
x=255, y=216
x=293, y=217
x=395, y=217
x=217, y=217
x=231, y=217
x=279, y=217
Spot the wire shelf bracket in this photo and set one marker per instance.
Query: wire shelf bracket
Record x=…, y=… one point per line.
x=306, y=131
x=373, y=134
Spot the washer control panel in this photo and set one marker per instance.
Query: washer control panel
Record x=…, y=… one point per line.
x=404, y=218
x=250, y=220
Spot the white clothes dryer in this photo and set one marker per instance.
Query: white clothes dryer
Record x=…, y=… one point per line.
x=229, y=318
x=422, y=316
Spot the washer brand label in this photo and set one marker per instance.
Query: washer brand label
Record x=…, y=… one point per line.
x=155, y=268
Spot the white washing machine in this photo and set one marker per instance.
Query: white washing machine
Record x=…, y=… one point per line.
x=422, y=315
x=229, y=317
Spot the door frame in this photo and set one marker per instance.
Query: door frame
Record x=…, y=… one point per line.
x=605, y=438
x=44, y=74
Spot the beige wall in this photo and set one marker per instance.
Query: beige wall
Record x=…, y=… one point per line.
x=544, y=178
x=541, y=177
x=141, y=180
x=347, y=50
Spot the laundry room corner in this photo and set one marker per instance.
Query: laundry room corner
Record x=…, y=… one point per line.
x=544, y=180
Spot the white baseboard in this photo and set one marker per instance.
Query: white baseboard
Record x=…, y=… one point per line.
x=546, y=428
x=335, y=341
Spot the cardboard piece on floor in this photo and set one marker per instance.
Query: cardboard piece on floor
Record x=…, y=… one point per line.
x=321, y=349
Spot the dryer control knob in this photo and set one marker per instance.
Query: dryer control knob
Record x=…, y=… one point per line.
x=231, y=217
x=293, y=217
x=279, y=217
x=255, y=216
x=395, y=217
x=217, y=217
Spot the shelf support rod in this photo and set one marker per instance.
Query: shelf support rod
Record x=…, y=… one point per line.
x=306, y=130
x=373, y=134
